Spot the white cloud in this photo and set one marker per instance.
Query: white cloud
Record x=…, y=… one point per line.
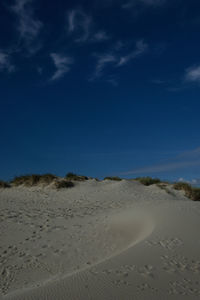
x=193, y=74
x=164, y=167
x=100, y=36
x=194, y=181
x=79, y=22
x=117, y=61
x=182, y=161
x=102, y=61
x=132, y=3
x=62, y=64
x=141, y=47
x=5, y=64
x=28, y=27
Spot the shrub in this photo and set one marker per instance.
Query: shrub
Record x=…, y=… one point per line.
x=72, y=176
x=4, y=184
x=47, y=178
x=164, y=186
x=34, y=179
x=26, y=180
x=60, y=184
x=190, y=192
x=195, y=194
x=148, y=180
x=116, y=178
x=182, y=186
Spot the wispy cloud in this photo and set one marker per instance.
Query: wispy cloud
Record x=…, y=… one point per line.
x=81, y=25
x=141, y=47
x=79, y=22
x=62, y=64
x=100, y=36
x=115, y=60
x=102, y=62
x=133, y=3
x=194, y=181
x=162, y=167
x=183, y=160
x=28, y=26
x=158, y=81
x=193, y=74
x=5, y=64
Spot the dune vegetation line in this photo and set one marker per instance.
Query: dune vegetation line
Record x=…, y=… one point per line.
x=69, y=180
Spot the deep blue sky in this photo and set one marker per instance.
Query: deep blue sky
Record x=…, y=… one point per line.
x=100, y=88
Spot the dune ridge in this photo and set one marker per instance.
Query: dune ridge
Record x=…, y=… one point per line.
x=100, y=240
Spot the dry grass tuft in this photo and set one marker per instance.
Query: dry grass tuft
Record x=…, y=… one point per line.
x=61, y=184
x=190, y=192
x=75, y=177
x=116, y=178
x=34, y=179
x=148, y=180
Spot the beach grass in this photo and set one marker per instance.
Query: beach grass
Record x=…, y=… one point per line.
x=148, y=180
x=116, y=178
x=4, y=184
x=190, y=192
x=33, y=179
x=61, y=184
x=75, y=177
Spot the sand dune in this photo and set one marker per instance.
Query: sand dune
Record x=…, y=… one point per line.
x=99, y=240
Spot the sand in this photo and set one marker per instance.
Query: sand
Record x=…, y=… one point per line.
x=99, y=240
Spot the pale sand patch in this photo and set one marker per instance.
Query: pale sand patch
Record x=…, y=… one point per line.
x=100, y=240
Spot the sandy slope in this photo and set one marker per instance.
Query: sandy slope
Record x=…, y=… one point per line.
x=99, y=240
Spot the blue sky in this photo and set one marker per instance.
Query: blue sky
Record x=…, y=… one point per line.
x=100, y=88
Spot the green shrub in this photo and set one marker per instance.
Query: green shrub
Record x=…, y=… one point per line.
x=75, y=177
x=148, y=180
x=182, y=186
x=47, y=178
x=190, y=192
x=4, y=184
x=34, y=179
x=116, y=178
x=60, y=184
x=195, y=194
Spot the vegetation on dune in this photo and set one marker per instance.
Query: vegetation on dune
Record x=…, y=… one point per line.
x=148, y=180
x=60, y=184
x=195, y=194
x=116, y=178
x=165, y=186
x=34, y=179
x=182, y=186
x=46, y=179
x=4, y=184
x=190, y=192
x=75, y=177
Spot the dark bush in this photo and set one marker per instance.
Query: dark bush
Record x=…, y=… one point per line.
x=116, y=178
x=34, y=179
x=148, y=180
x=47, y=178
x=4, y=184
x=195, y=194
x=60, y=184
x=182, y=186
x=75, y=177
x=190, y=192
